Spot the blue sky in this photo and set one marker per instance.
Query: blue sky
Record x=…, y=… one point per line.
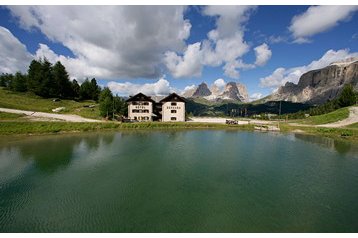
x=161, y=49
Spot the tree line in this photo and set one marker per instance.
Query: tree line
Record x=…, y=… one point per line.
x=53, y=81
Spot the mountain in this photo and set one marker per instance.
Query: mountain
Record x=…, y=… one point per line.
x=202, y=91
x=232, y=92
x=321, y=85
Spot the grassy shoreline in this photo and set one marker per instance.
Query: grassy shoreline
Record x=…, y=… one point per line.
x=44, y=127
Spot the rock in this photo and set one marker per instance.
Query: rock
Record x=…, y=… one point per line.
x=58, y=109
x=232, y=91
x=202, y=90
x=319, y=86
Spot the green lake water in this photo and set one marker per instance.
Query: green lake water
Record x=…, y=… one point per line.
x=178, y=181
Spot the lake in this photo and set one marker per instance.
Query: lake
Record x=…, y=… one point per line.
x=178, y=181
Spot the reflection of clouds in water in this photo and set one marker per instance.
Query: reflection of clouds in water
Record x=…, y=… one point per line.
x=12, y=163
x=92, y=151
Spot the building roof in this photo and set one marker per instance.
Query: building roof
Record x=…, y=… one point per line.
x=173, y=97
x=139, y=97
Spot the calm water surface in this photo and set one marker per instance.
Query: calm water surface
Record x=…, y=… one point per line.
x=178, y=181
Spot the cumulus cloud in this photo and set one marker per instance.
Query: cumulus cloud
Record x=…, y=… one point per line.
x=161, y=87
x=187, y=65
x=220, y=83
x=111, y=41
x=76, y=67
x=281, y=75
x=225, y=45
x=263, y=54
x=13, y=54
x=256, y=96
x=318, y=19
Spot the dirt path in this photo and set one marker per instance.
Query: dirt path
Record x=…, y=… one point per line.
x=352, y=118
x=49, y=116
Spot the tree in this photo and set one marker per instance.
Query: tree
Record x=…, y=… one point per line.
x=90, y=90
x=347, y=97
x=48, y=86
x=19, y=83
x=120, y=106
x=34, y=77
x=5, y=80
x=85, y=90
x=95, y=90
x=75, y=89
x=106, y=103
x=63, y=87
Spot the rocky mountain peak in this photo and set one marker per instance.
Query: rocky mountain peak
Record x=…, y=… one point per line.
x=318, y=86
x=202, y=90
x=232, y=91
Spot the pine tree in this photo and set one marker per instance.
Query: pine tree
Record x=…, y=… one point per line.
x=75, y=89
x=347, y=97
x=63, y=87
x=34, y=77
x=19, y=83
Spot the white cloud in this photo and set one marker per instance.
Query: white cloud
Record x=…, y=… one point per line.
x=225, y=45
x=190, y=87
x=256, y=96
x=161, y=87
x=187, y=65
x=13, y=54
x=281, y=75
x=318, y=19
x=220, y=83
x=76, y=67
x=111, y=41
x=263, y=54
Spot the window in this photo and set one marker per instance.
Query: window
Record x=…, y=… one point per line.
x=173, y=104
x=145, y=111
x=135, y=111
x=145, y=103
x=173, y=118
x=173, y=111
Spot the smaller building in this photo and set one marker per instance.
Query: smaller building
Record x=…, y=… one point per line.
x=140, y=107
x=173, y=108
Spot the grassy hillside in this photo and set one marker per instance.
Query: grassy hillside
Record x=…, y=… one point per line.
x=331, y=117
x=31, y=102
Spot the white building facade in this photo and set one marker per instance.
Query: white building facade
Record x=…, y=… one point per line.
x=140, y=108
x=144, y=108
x=173, y=108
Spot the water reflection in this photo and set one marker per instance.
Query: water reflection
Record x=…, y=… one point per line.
x=48, y=153
x=340, y=146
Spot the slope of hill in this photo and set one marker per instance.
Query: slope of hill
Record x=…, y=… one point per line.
x=29, y=101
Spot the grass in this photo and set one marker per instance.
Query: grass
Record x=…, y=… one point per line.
x=331, y=117
x=4, y=116
x=31, y=102
x=36, y=127
x=345, y=133
x=353, y=126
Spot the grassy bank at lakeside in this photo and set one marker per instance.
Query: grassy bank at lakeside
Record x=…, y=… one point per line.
x=346, y=133
x=43, y=127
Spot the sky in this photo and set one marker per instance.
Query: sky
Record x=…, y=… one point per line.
x=161, y=49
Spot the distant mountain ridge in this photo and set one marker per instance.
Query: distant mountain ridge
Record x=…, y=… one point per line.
x=321, y=85
x=232, y=91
